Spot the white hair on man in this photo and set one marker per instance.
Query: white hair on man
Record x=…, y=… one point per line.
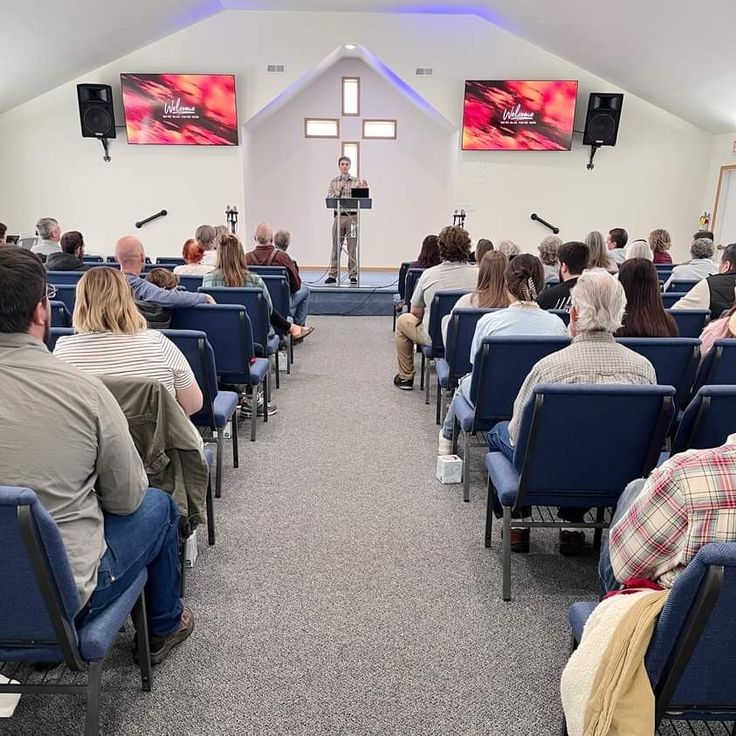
x=46, y=226
x=281, y=239
x=508, y=248
x=639, y=249
x=702, y=248
x=205, y=236
x=599, y=302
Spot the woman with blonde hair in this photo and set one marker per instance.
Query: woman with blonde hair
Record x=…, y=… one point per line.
x=112, y=339
x=599, y=252
x=660, y=242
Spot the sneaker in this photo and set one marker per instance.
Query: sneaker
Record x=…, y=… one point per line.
x=246, y=408
x=330, y=280
x=405, y=384
x=161, y=646
x=445, y=445
x=353, y=280
x=571, y=542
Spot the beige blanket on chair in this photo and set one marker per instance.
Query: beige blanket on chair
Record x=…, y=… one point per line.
x=605, y=688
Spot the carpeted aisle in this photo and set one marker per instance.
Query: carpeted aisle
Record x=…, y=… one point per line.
x=349, y=592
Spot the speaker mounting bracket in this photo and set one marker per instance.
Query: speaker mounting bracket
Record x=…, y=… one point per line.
x=106, y=158
x=593, y=149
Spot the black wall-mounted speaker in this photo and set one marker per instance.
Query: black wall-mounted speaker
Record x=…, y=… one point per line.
x=602, y=119
x=95, y=110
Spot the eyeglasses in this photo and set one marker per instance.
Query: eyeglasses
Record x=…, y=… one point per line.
x=50, y=291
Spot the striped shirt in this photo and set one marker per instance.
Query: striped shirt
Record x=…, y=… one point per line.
x=147, y=354
x=686, y=503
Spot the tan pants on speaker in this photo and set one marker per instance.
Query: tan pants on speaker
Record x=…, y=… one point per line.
x=348, y=225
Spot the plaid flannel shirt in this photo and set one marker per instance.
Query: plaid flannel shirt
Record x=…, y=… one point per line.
x=686, y=503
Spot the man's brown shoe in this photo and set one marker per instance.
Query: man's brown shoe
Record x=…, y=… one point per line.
x=519, y=540
x=161, y=646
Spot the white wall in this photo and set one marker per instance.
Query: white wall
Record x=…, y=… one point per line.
x=656, y=175
x=721, y=154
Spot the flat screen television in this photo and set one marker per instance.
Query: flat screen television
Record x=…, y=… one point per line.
x=519, y=115
x=180, y=109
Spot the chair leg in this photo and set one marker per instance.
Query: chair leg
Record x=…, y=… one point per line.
x=267, y=391
x=144, y=644
x=438, y=408
x=489, y=515
x=466, y=467
x=218, y=481
x=506, y=553
x=94, y=680
x=421, y=374
x=443, y=407
x=210, y=514
x=455, y=429
x=291, y=349
x=234, y=435
x=276, y=366
x=598, y=534
x=428, y=367
x=393, y=326
x=289, y=353
x=254, y=412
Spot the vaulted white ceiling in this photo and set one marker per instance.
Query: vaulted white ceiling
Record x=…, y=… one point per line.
x=677, y=54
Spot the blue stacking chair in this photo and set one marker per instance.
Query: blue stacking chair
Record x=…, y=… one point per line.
x=255, y=304
x=65, y=278
x=456, y=363
x=54, y=334
x=690, y=322
x=218, y=407
x=500, y=367
x=190, y=283
x=541, y=473
x=66, y=293
x=270, y=271
x=690, y=656
x=173, y=260
x=682, y=285
x=228, y=331
x=60, y=315
x=563, y=314
x=92, y=259
x=40, y=602
x=675, y=361
x=718, y=367
x=400, y=295
x=442, y=304
x=278, y=289
x=670, y=297
x=148, y=267
x=412, y=276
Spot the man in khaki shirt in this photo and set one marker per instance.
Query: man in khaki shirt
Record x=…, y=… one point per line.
x=65, y=437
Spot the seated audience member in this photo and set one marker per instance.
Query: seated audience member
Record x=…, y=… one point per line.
x=616, y=242
x=660, y=243
x=192, y=253
x=714, y=292
x=482, y=247
x=718, y=329
x=282, y=240
x=47, y=228
x=163, y=278
x=645, y=315
x=69, y=258
x=660, y=523
x=599, y=256
x=639, y=248
x=523, y=278
x=3, y=233
x=76, y=453
x=708, y=234
x=574, y=257
x=701, y=266
x=598, y=302
x=454, y=272
x=429, y=255
x=509, y=249
x=232, y=270
x=130, y=255
x=205, y=235
x=267, y=254
x=112, y=339
x=548, y=255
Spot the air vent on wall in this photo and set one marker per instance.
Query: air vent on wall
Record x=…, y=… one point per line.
x=425, y=71
x=276, y=69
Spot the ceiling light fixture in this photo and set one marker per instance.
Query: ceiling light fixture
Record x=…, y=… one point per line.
x=350, y=46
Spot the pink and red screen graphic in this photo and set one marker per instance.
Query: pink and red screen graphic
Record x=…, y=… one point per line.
x=180, y=109
x=519, y=115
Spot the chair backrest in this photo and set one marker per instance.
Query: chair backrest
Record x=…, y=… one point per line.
x=278, y=289
x=111, y=259
x=719, y=365
x=554, y=433
x=403, y=268
x=255, y=304
x=563, y=314
x=442, y=303
x=682, y=285
x=174, y=260
x=27, y=241
x=670, y=297
x=54, y=334
x=93, y=259
x=690, y=322
x=59, y=278
x=66, y=293
x=270, y=270
x=691, y=653
x=412, y=276
x=60, y=315
x=229, y=333
x=708, y=419
x=40, y=598
x=460, y=330
x=675, y=361
x=500, y=367
x=201, y=358
x=190, y=283
x=148, y=267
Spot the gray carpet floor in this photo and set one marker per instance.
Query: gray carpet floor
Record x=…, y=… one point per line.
x=349, y=591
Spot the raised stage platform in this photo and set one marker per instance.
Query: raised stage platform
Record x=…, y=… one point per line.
x=373, y=297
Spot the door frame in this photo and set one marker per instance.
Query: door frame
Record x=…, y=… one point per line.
x=723, y=170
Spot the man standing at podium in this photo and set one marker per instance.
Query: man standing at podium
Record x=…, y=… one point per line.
x=341, y=187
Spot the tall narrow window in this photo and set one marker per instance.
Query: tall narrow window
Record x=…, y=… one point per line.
x=321, y=128
x=379, y=129
x=351, y=149
x=351, y=95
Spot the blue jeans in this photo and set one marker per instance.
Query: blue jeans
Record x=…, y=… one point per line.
x=299, y=304
x=463, y=389
x=605, y=569
x=147, y=538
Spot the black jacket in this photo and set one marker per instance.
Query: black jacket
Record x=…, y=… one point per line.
x=557, y=297
x=721, y=292
x=64, y=262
